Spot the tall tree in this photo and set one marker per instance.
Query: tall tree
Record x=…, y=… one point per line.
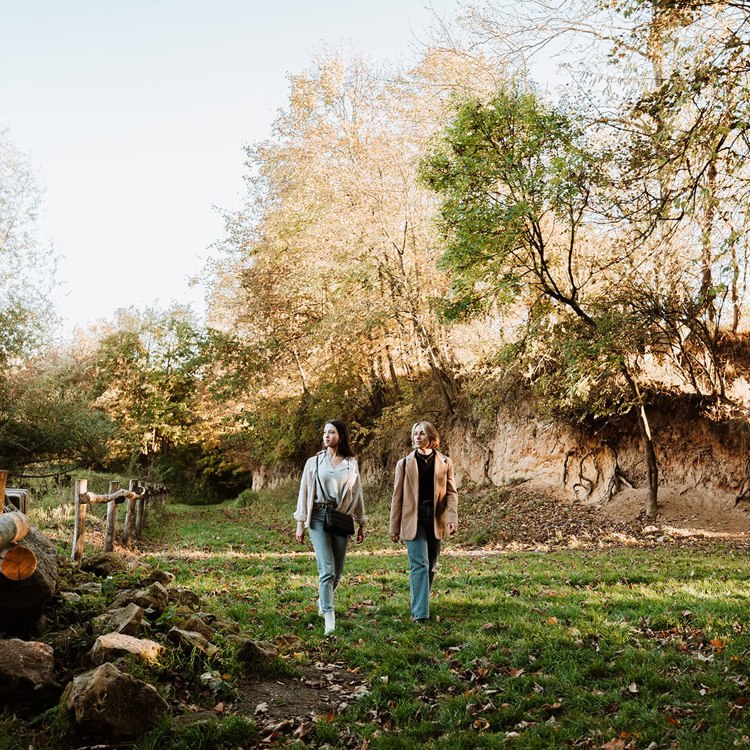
x=331, y=266
x=520, y=187
x=665, y=83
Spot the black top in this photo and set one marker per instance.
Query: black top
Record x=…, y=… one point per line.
x=426, y=466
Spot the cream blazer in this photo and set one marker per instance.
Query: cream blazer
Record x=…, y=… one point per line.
x=406, y=497
x=352, y=501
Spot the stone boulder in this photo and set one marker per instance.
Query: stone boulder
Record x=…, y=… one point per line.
x=125, y=620
x=227, y=626
x=192, y=640
x=27, y=668
x=112, y=646
x=107, y=703
x=104, y=564
x=22, y=602
x=256, y=656
x=197, y=625
x=154, y=598
x=91, y=588
x=160, y=576
x=181, y=595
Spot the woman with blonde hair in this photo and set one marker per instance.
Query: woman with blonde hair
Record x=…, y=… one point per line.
x=424, y=511
x=330, y=479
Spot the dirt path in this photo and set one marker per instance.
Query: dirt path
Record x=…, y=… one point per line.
x=285, y=705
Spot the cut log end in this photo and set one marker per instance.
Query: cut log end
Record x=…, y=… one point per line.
x=13, y=527
x=17, y=563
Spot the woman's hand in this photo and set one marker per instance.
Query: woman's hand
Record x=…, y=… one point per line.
x=394, y=537
x=451, y=528
x=300, y=533
x=360, y=534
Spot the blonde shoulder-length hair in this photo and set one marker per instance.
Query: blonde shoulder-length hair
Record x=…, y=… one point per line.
x=430, y=431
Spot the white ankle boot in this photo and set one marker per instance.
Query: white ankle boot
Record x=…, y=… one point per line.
x=330, y=620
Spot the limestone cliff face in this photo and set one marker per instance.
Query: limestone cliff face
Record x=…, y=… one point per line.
x=265, y=477
x=695, y=455
x=692, y=453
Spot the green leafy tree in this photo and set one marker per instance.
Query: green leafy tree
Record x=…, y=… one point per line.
x=47, y=423
x=520, y=188
x=147, y=379
x=665, y=84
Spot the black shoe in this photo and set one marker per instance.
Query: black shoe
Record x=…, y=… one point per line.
x=421, y=620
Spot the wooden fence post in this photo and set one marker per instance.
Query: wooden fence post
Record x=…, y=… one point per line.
x=109, y=537
x=140, y=514
x=127, y=535
x=81, y=487
x=3, y=482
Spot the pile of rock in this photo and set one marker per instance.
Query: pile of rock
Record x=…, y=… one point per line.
x=85, y=666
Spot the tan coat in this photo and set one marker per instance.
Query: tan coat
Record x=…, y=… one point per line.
x=406, y=498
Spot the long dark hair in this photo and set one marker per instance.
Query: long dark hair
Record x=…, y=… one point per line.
x=344, y=448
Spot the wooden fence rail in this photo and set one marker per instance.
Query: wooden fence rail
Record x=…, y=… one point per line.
x=135, y=511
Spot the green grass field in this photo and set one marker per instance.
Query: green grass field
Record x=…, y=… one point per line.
x=615, y=648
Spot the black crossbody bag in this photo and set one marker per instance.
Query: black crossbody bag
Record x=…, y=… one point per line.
x=335, y=522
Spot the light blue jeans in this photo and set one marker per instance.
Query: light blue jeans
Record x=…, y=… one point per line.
x=330, y=554
x=423, y=557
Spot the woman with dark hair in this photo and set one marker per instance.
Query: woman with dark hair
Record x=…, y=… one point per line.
x=330, y=479
x=423, y=512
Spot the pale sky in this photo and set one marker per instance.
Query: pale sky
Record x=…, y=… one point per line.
x=134, y=114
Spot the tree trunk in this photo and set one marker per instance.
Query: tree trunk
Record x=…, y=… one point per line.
x=392, y=370
x=706, y=291
x=648, y=446
x=736, y=304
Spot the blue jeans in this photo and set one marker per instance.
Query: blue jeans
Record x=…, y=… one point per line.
x=330, y=554
x=423, y=556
